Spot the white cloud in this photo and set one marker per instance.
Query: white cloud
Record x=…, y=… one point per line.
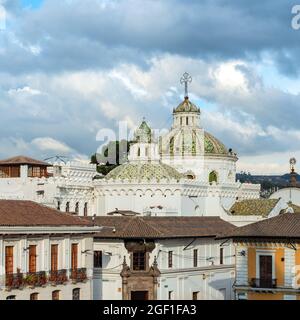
x=50, y=144
x=24, y=90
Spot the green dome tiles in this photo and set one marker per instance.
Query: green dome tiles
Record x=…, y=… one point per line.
x=144, y=171
x=213, y=146
x=187, y=106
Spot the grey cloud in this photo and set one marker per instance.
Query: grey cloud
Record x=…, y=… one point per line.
x=80, y=34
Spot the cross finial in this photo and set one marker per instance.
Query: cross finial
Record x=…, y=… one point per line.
x=292, y=164
x=185, y=79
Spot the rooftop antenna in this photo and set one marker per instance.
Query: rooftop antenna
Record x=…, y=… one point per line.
x=57, y=158
x=185, y=79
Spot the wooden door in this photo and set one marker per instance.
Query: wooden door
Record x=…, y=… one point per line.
x=9, y=260
x=265, y=271
x=139, y=295
x=54, y=257
x=74, y=257
x=32, y=259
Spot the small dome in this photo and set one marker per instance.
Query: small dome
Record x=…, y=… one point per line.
x=187, y=106
x=213, y=146
x=144, y=171
x=143, y=133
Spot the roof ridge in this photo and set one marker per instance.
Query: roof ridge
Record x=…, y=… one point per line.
x=149, y=225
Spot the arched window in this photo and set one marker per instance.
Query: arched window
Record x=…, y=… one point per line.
x=67, y=206
x=55, y=295
x=187, y=121
x=77, y=207
x=34, y=296
x=139, y=152
x=76, y=294
x=172, y=146
x=213, y=177
x=58, y=205
x=85, y=210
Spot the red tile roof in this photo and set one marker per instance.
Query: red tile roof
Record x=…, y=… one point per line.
x=161, y=227
x=19, y=160
x=28, y=213
x=286, y=225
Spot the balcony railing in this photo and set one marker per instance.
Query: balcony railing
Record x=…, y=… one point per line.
x=39, y=279
x=78, y=275
x=58, y=277
x=35, y=279
x=14, y=280
x=263, y=283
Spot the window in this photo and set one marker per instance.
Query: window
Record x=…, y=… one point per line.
x=58, y=205
x=196, y=295
x=76, y=294
x=97, y=259
x=14, y=172
x=74, y=256
x=34, y=296
x=67, y=206
x=32, y=259
x=85, y=210
x=195, y=258
x=170, y=259
x=266, y=271
x=54, y=257
x=11, y=298
x=34, y=172
x=139, y=152
x=55, y=295
x=221, y=255
x=170, y=295
x=187, y=121
x=4, y=172
x=213, y=177
x=9, y=260
x=9, y=172
x=139, y=260
x=77, y=207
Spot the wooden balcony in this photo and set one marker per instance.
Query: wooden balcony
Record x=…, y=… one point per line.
x=14, y=281
x=78, y=275
x=263, y=283
x=58, y=277
x=35, y=279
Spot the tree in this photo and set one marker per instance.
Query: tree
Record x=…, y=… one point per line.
x=112, y=155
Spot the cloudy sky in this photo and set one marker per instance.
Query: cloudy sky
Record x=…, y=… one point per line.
x=69, y=68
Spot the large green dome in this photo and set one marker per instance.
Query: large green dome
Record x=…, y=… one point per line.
x=213, y=146
x=144, y=171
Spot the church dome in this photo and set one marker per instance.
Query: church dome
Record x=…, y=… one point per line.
x=144, y=171
x=213, y=146
x=186, y=106
x=143, y=133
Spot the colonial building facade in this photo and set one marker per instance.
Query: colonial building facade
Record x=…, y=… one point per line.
x=162, y=258
x=45, y=254
x=268, y=259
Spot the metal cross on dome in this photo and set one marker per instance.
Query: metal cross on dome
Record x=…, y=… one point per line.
x=185, y=79
x=293, y=161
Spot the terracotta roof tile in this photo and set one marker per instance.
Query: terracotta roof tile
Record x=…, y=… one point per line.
x=28, y=213
x=286, y=225
x=161, y=227
x=23, y=160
